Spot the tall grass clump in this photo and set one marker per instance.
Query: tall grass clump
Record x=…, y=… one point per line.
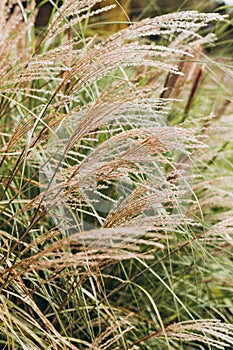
x=116, y=192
